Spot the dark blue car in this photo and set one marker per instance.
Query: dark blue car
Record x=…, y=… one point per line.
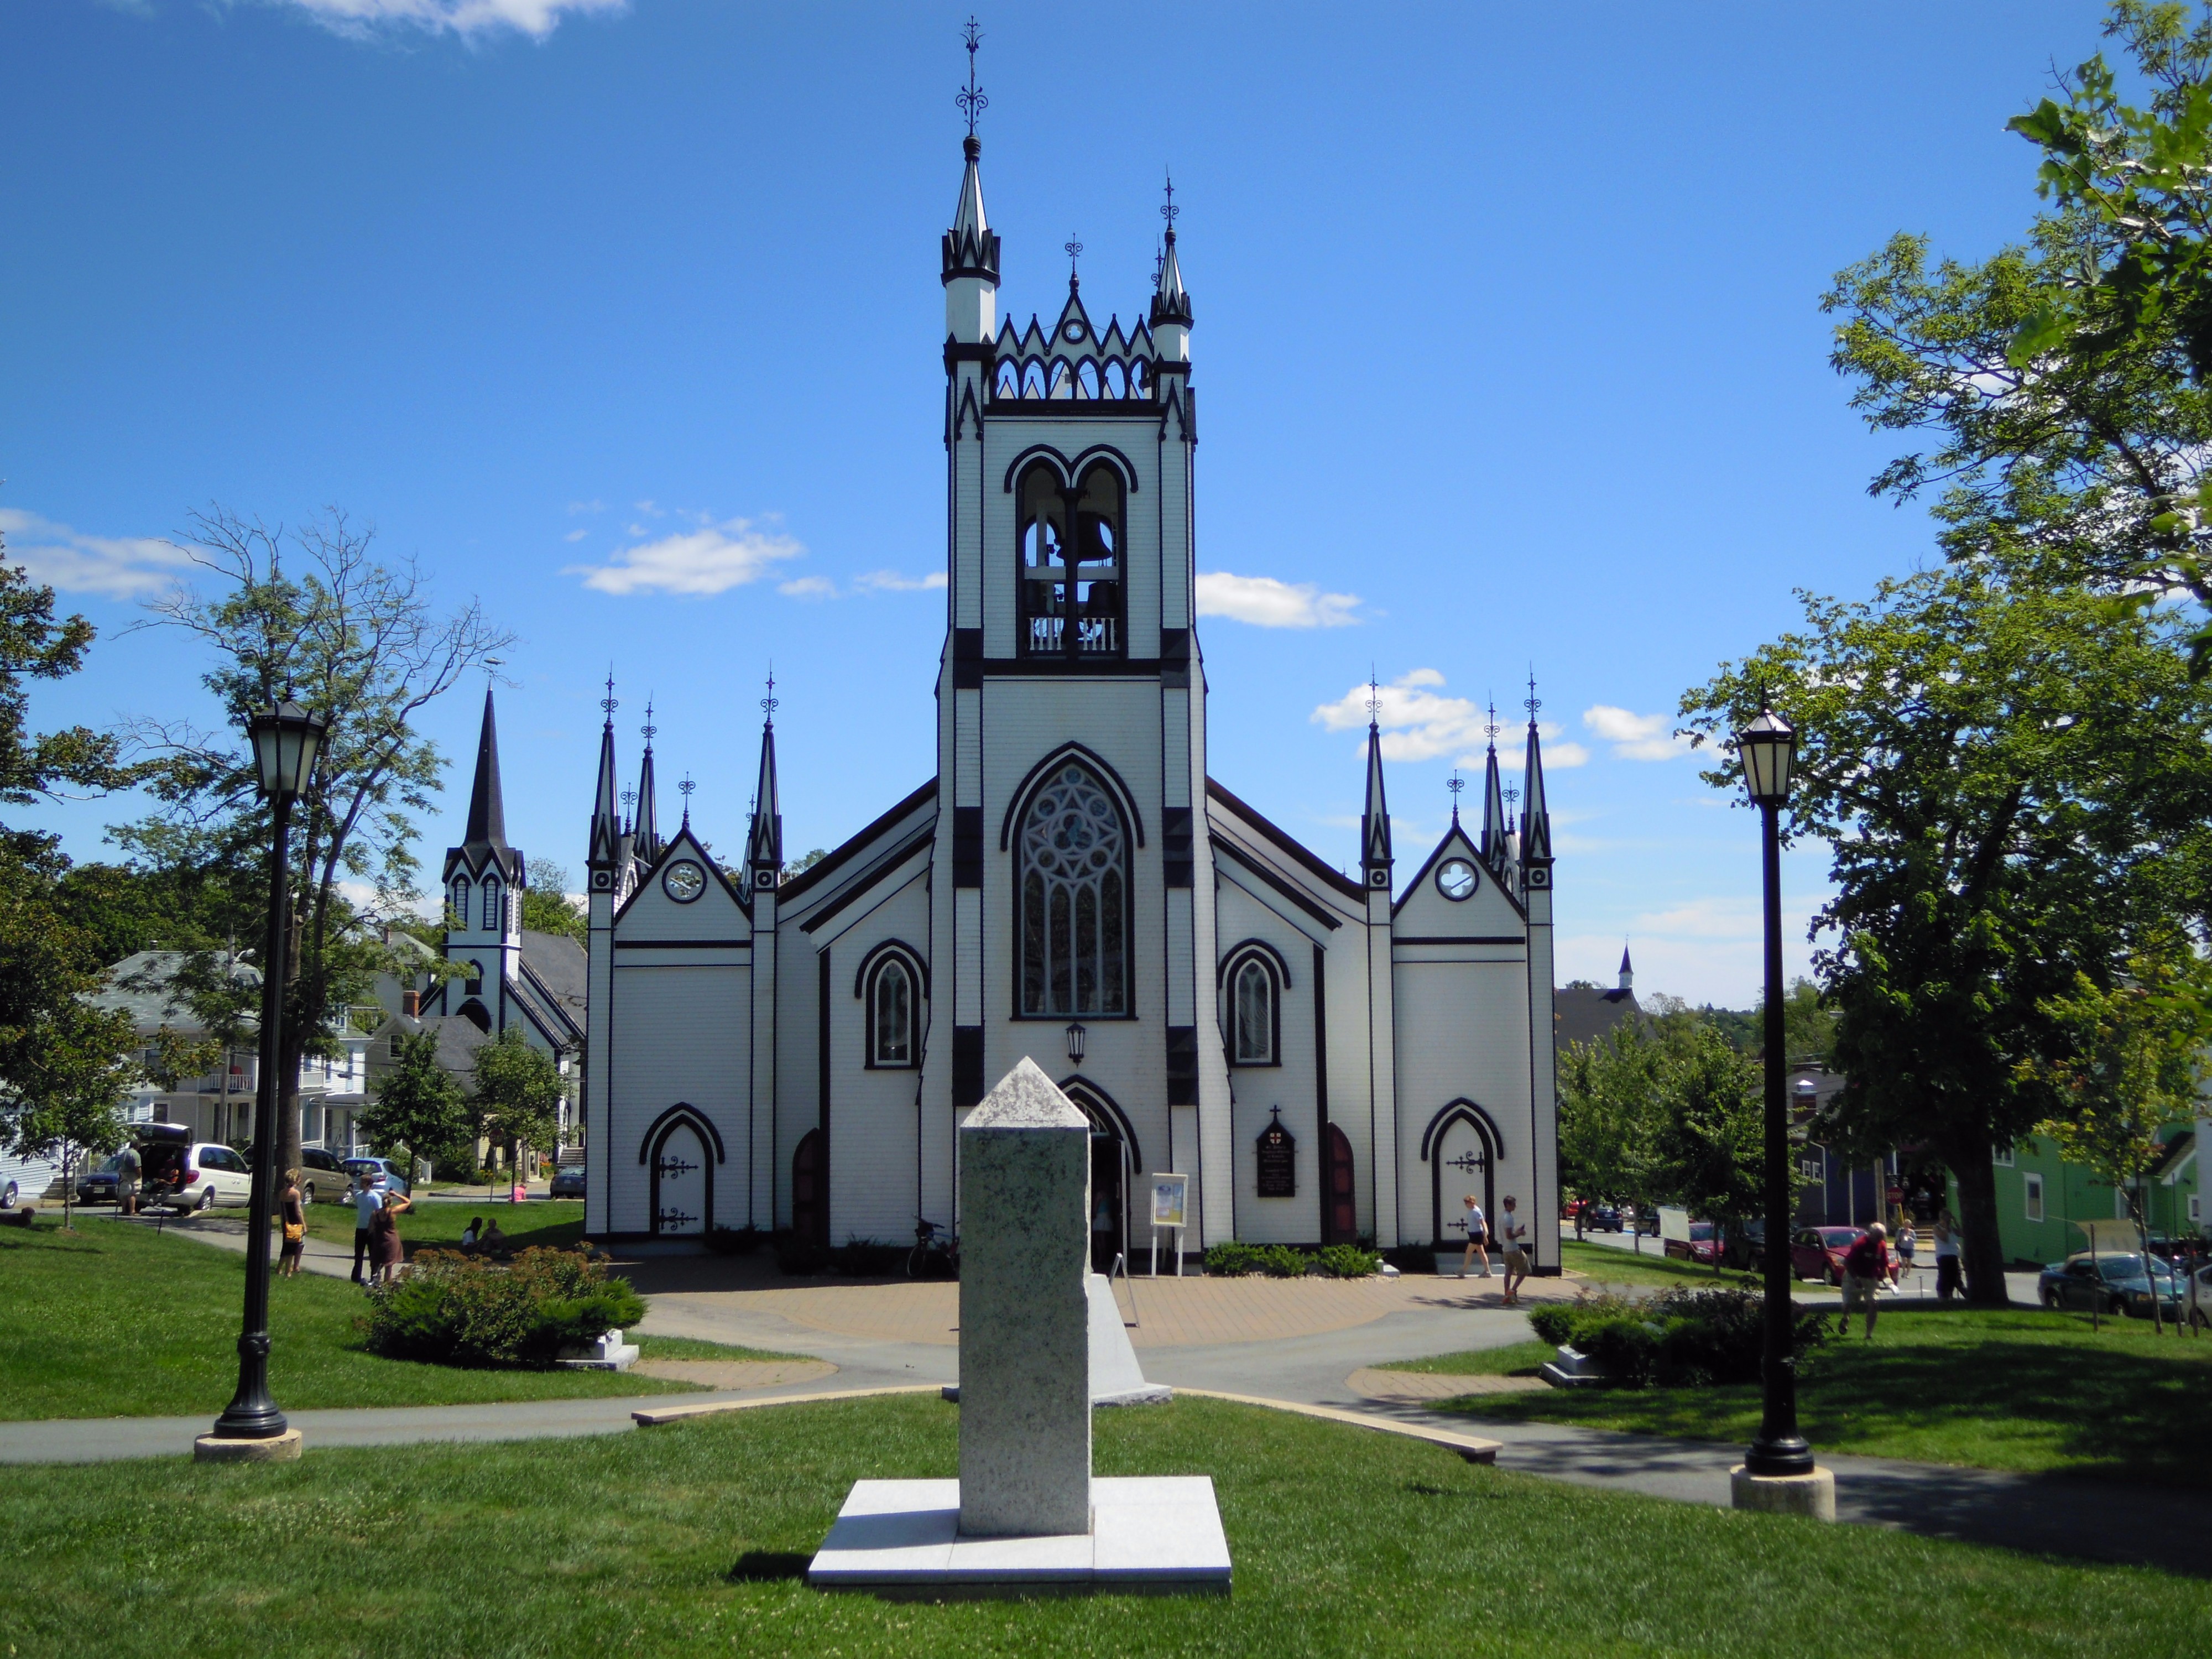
x=569, y=1181
x=2119, y=1283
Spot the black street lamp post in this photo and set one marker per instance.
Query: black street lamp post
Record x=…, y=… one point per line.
x=285, y=738
x=1768, y=748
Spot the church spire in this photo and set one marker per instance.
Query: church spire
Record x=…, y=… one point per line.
x=486, y=840
x=606, y=827
x=647, y=829
x=1171, y=315
x=1494, y=821
x=1627, y=972
x=765, y=849
x=1536, y=816
x=1375, y=821
x=971, y=246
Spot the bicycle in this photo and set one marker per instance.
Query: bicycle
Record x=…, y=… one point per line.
x=933, y=1256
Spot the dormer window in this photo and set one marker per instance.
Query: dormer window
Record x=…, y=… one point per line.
x=1072, y=565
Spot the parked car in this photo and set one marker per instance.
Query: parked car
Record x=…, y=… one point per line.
x=1602, y=1218
x=1704, y=1244
x=1745, y=1246
x=569, y=1181
x=194, y=1174
x=2120, y=1284
x=395, y=1178
x=1817, y=1252
x=2197, y=1303
x=23, y=1178
x=99, y=1186
x=323, y=1177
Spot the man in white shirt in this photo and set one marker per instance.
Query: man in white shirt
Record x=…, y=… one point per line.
x=1515, y=1232
x=1478, y=1240
x=367, y=1200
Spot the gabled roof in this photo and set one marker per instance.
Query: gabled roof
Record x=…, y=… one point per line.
x=1282, y=841
x=853, y=846
x=1579, y=1015
x=143, y=987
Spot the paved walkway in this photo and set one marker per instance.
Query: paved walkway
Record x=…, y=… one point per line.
x=1303, y=1341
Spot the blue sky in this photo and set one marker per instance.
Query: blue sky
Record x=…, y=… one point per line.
x=1507, y=342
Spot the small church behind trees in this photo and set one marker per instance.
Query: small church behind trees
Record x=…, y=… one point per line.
x=1327, y=1057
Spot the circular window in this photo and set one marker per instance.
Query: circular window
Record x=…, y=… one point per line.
x=1073, y=331
x=684, y=881
x=1456, y=880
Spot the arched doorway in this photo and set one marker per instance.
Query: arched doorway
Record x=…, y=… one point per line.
x=683, y=1182
x=1113, y=1157
x=809, y=1190
x=1340, y=1213
x=1462, y=1150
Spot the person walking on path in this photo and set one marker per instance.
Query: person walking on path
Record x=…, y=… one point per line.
x=1477, y=1240
x=127, y=1171
x=1515, y=1232
x=1865, y=1266
x=368, y=1205
x=1908, y=1244
x=389, y=1254
x=293, y=1213
x=1946, y=1257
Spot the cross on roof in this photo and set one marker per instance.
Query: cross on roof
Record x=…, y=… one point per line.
x=1073, y=249
x=650, y=730
x=771, y=703
x=608, y=702
x=1171, y=212
x=1374, y=695
x=1533, y=702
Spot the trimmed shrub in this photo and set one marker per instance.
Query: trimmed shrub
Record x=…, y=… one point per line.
x=1681, y=1338
x=1228, y=1260
x=1346, y=1261
x=1625, y=1348
x=459, y=1309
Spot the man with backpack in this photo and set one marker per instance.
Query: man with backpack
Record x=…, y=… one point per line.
x=1866, y=1265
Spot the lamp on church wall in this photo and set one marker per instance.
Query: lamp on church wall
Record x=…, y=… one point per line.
x=286, y=738
x=1768, y=749
x=1076, y=1035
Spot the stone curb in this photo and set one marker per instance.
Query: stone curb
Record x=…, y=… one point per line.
x=662, y=1414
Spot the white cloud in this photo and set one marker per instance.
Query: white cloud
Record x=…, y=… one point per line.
x=1266, y=603
x=114, y=567
x=1419, y=722
x=1561, y=755
x=891, y=581
x=575, y=535
x=1635, y=736
x=808, y=587
x=698, y=562
x=465, y=18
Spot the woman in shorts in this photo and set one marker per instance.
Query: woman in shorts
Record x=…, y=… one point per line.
x=292, y=1213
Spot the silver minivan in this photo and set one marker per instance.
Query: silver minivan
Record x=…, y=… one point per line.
x=195, y=1175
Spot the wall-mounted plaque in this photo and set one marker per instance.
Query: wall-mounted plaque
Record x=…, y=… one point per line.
x=1278, y=1159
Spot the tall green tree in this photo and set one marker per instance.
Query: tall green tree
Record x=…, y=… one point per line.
x=360, y=643
x=518, y=1091
x=1610, y=1118
x=1709, y=1155
x=545, y=907
x=419, y=1106
x=2015, y=786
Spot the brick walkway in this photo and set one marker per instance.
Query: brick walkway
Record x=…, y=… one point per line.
x=1170, y=1313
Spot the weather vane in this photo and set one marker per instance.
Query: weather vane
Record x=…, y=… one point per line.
x=1171, y=212
x=608, y=702
x=771, y=703
x=970, y=99
x=1533, y=702
x=650, y=730
x=1073, y=249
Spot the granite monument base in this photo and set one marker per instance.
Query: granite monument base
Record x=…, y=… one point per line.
x=1812, y=1495
x=1159, y=1534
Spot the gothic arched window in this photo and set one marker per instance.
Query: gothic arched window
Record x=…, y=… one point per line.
x=890, y=1019
x=1074, y=898
x=492, y=921
x=1071, y=580
x=460, y=903
x=1253, y=996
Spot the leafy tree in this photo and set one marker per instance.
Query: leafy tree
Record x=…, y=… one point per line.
x=1709, y=1155
x=1610, y=1118
x=1808, y=1026
x=358, y=642
x=518, y=1091
x=64, y=1065
x=2062, y=379
x=2014, y=784
x=545, y=907
x=418, y=1105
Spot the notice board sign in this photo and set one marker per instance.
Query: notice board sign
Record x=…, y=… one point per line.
x=1170, y=1193
x=1278, y=1159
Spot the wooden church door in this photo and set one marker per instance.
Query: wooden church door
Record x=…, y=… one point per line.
x=683, y=1183
x=1460, y=1162
x=1339, y=1221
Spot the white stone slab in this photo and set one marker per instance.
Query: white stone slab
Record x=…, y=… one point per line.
x=1154, y=1533
x=1116, y=1379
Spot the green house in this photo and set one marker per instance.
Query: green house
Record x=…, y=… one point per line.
x=2040, y=1197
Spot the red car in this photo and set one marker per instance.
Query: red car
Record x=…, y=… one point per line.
x=1703, y=1246
x=1817, y=1252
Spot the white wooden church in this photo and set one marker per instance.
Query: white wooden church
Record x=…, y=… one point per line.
x=1326, y=1057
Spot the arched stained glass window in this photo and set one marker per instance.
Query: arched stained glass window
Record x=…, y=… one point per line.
x=1075, y=906
x=893, y=1020
x=1256, y=1014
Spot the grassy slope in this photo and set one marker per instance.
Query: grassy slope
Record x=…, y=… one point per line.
x=115, y=1321
x=689, y=1539
x=2020, y=1389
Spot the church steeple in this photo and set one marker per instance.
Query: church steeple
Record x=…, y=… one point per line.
x=1172, y=314
x=1536, y=818
x=648, y=828
x=1375, y=821
x=764, y=850
x=606, y=827
x=971, y=246
x=1627, y=972
x=485, y=843
x=1495, y=825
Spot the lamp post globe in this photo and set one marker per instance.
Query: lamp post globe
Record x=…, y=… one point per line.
x=286, y=738
x=1767, y=747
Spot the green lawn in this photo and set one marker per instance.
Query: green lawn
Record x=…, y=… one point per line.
x=1523, y=1357
x=691, y=1539
x=2019, y=1390
x=1606, y=1266
x=559, y=1223
x=115, y=1321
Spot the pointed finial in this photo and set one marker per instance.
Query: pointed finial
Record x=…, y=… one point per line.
x=1159, y=262
x=629, y=800
x=1374, y=695
x=1533, y=702
x=609, y=701
x=1511, y=795
x=1489, y=729
x=1073, y=249
x=771, y=703
x=970, y=99
x=1456, y=784
x=684, y=789
x=650, y=730
x=1171, y=212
